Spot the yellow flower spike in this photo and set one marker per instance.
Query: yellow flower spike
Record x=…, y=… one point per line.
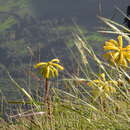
x=113, y=82
x=102, y=85
x=39, y=65
x=102, y=77
x=93, y=82
x=112, y=90
x=107, y=89
x=55, y=71
x=47, y=75
x=111, y=55
x=120, y=41
x=110, y=48
x=128, y=58
x=49, y=69
x=121, y=57
x=113, y=42
x=128, y=48
x=58, y=66
x=124, y=62
x=55, y=60
x=109, y=43
x=117, y=54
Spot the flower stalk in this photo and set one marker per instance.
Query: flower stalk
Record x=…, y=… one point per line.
x=46, y=89
x=48, y=70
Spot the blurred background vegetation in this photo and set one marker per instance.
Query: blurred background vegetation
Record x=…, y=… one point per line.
x=27, y=37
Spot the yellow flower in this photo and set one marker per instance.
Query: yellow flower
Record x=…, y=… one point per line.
x=102, y=86
x=49, y=69
x=117, y=54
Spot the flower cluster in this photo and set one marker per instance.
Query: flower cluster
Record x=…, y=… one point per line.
x=117, y=54
x=49, y=69
x=102, y=86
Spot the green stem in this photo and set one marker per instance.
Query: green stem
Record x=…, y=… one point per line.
x=46, y=90
x=47, y=98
